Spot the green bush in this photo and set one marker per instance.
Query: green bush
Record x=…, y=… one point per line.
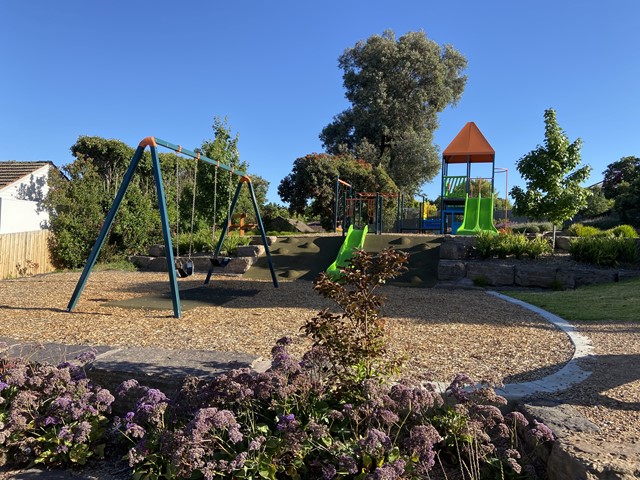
x=485, y=246
x=505, y=244
x=545, y=226
x=580, y=230
x=604, y=251
x=525, y=228
x=538, y=246
x=625, y=231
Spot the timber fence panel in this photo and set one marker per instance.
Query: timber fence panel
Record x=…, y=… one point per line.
x=25, y=253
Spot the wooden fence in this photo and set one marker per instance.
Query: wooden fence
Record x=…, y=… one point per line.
x=24, y=253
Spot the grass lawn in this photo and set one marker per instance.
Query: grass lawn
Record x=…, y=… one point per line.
x=611, y=301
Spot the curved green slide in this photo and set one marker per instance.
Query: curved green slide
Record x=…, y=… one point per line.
x=354, y=239
x=478, y=216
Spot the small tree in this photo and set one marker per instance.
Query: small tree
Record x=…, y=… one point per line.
x=553, y=178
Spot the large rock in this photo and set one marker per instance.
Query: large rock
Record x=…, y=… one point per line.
x=531, y=275
x=493, y=273
x=250, y=250
x=257, y=240
x=456, y=248
x=451, y=270
x=157, y=251
x=282, y=224
x=589, y=276
x=239, y=265
x=562, y=242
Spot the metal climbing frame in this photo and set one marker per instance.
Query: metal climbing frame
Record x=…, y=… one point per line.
x=152, y=143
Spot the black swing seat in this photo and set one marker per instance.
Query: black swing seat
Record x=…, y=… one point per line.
x=220, y=261
x=186, y=270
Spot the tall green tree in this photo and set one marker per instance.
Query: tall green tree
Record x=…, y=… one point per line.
x=396, y=88
x=224, y=147
x=619, y=175
x=553, y=176
x=621, y=184
x=310, y=187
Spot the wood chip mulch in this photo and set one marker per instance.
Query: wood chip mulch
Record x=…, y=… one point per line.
x=438, y=331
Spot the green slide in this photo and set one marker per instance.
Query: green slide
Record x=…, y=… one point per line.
x=354, y=239
x=485, y=217
x=478, y=216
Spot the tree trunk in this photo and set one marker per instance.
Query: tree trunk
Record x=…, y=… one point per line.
x=553, y=242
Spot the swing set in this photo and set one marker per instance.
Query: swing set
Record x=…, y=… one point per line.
x=173, y=269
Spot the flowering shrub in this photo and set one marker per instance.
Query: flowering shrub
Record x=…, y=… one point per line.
x=51, y=415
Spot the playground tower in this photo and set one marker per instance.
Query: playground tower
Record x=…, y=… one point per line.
x=468, y=147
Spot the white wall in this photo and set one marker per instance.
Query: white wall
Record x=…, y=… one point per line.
x=22, y=215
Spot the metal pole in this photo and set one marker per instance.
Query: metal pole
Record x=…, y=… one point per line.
x=261, y=226
x=166, y=233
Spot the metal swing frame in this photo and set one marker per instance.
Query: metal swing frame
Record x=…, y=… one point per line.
x=153, y=143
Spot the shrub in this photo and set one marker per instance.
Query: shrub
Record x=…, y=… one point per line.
x=485, y=245
x=603, y=223
x=545, y=227
x=604, y=251
x=51, y=415
x=626, y=231
x=525, y=228
x=580, y=230
x=505, y=244
x=538, y=246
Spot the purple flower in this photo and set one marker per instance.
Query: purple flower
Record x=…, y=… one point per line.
x=542, y=432
x=392, y=471
x=87, y=357
x=134, y=430
x=375, y=444
x=286, y=422
x=422, y=439
x=81, y=432
x=517, y=419
x=3, y=385
x=256, y=443
x=347, y=464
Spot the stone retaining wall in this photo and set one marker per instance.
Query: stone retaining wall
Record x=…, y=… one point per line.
x=560, y=272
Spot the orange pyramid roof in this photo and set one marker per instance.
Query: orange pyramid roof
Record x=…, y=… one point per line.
x=469, y=145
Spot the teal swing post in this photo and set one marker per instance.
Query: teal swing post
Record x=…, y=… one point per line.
x=152, y=143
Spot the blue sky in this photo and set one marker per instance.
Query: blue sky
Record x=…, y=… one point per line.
x=129, y=69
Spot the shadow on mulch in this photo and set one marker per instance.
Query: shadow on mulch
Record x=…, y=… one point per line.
x=203, y=296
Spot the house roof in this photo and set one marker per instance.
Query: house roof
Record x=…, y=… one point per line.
x=12, y=170
x=469, y=146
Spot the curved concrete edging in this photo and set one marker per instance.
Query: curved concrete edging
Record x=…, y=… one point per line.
x=569, y=374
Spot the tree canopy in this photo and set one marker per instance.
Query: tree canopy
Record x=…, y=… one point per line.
x=622, y=185
x=619, y=175
x=81, y=196
x=552, y=177
x=310, y=187
x=396, y=88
